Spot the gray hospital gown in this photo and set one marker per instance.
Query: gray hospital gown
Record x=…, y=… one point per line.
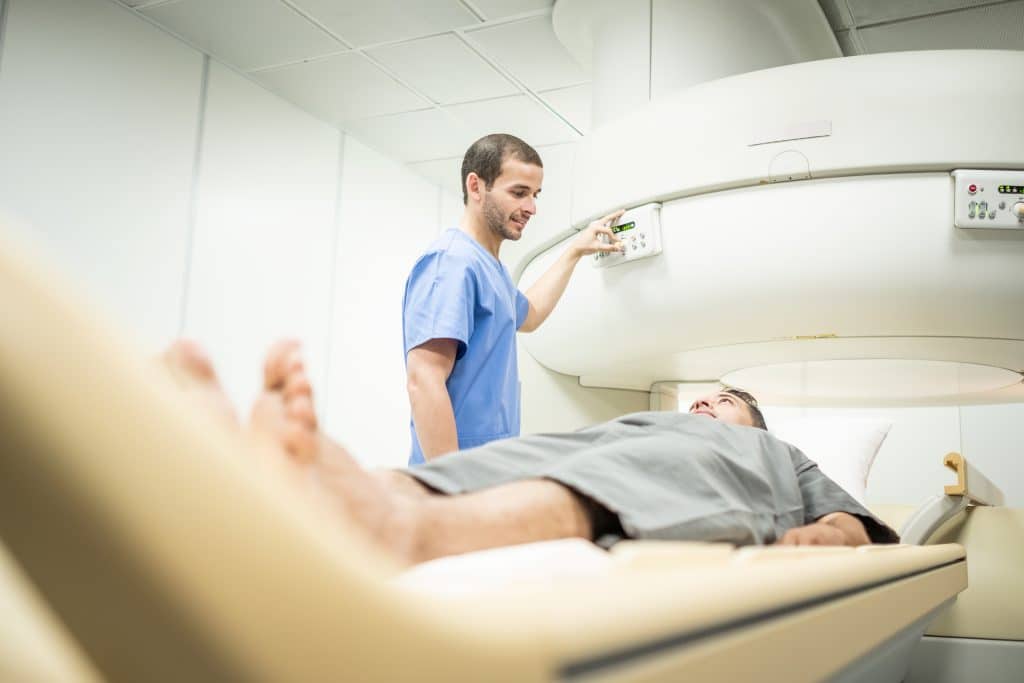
x=668, y=476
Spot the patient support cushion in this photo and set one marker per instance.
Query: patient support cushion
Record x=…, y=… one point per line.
x=844, y=448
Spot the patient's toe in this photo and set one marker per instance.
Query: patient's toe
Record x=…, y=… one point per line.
x=297, y=385
x=192, y=370
x=300, y=409
x=188, y=358
x=276, y=367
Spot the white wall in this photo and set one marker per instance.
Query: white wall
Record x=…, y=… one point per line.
x=388, y=217
x=211, y=207
x=98, y=122
x=261, y=261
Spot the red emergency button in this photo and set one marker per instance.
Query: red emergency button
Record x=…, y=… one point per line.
x=972, y=188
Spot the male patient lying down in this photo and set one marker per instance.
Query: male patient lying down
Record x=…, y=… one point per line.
x=714, y=474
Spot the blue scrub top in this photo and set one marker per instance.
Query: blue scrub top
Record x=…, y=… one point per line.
x=457, y=290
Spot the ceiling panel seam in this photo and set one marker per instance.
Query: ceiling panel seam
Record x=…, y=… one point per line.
x=491, y=23
x=858, y=44
x=3, y=29
x=313, y=20
x=505, y=21
x=353, y=50
x=957, y=10
x=473, y=9
x=148, y=5
x=515, y=81
x=302, y=60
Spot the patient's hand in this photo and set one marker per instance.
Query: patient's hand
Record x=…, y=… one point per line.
x=818, y=533
x=837, y=528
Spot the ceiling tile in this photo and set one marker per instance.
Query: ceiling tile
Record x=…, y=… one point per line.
x=866, y=12
x=992, y=27
x=443, y=172
x=342, y=87
x=531, y=52
x=247, y=34
x=444, y=69
x=573, y=104
x=496, y=9
x=364, y=23
x=414, y=136
x=518, y=115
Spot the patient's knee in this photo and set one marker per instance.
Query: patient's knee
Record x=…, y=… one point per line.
x=398, y=482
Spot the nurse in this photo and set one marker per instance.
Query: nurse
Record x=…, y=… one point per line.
x=462, y=310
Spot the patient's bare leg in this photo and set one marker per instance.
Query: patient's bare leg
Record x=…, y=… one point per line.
x=411, y=526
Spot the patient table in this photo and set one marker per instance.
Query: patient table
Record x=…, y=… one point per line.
x=150, y=548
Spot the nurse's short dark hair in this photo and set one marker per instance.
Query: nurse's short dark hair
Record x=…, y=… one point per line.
x=755, y=413
x=485, y=157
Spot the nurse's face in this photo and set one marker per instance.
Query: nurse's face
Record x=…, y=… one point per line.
x=723, y=406
x=512, y=200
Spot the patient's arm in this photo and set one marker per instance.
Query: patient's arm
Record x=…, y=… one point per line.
x=836, y=528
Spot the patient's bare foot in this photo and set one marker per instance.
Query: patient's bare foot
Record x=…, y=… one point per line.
x=325, y=472
x=191, y=370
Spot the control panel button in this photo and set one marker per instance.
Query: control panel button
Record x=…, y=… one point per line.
x=972, y=188
x=1018, y=211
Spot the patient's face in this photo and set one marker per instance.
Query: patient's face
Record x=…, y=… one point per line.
x=723, y=406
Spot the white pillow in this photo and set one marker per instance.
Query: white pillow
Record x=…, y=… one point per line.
x=843, y=447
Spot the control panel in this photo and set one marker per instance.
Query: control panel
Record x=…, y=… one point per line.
x=639, y=230
x=988, y=199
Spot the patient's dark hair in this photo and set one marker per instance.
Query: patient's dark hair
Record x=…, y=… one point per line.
x=755, y=412
x=485, y=157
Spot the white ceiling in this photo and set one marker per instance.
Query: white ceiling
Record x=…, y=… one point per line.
x=421, y=79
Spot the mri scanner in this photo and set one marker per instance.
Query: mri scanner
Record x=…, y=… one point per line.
x=792, y=220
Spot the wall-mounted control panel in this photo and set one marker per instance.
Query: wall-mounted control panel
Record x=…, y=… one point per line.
x=988, y=199
x=639, y=230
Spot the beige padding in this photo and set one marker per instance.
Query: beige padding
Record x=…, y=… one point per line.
x=169, y=555
x=34, y=645
x=993, y=605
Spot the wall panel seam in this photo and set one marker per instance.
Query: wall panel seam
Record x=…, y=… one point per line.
x=193, y=209
x=324, y=405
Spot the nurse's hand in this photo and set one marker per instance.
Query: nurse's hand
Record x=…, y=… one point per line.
x=598, y=236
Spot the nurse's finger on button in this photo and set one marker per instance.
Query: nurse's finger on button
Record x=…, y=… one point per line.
x=613, y=216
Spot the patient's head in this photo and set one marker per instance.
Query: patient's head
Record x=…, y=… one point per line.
x=731, y=405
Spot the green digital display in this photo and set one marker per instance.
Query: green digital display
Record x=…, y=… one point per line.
x=624, y=227
x=1011, y=189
